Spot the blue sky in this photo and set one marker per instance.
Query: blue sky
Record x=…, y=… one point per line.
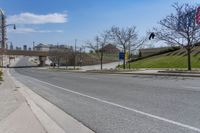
x=63, y=21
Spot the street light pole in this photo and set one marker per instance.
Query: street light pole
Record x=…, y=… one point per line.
x=9, y=48
x=81, y=60
x=3, y=31
x=129, y=51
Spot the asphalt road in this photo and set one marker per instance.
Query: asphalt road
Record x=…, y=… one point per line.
x=120, y=103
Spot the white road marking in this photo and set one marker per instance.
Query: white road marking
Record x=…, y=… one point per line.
x=91, y=78
x=123, y=107
x=193, y=87
x=85, y=77
x=196, y=88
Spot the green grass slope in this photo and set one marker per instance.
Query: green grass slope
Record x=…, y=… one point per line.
x=176, y=59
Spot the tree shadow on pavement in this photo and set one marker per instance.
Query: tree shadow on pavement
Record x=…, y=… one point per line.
x=23, y=67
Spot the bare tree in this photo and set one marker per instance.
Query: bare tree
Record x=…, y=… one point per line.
x=97, y=47
x=125, y=38
x=53, y=56
x=133, y=46
x=179, y=28
x=67, y=55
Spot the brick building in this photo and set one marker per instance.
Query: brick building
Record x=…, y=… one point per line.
x=111, y=49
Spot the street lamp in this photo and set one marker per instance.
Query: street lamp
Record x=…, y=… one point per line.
x=3, y=31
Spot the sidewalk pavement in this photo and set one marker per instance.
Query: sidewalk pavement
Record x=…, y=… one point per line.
x=107, y=66
x=112, y=65
x=15, y=114
x=24, y=111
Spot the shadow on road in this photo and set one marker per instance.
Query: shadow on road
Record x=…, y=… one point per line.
x=24, y=67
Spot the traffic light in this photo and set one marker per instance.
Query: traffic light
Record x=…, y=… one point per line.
x=152, y=36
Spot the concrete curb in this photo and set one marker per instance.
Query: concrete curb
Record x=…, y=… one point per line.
x=166, y=74
x=17, y=114
x=147, y=74
x=53, y=119
x=162, y=74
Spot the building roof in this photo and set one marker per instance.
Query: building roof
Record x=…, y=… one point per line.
x=110, y=48
x=41, y=46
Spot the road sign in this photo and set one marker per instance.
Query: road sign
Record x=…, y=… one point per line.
x=197, y=17
x=121, y=55
x=127, y=56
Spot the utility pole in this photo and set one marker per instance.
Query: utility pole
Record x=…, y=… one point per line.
x=3, y=34
x=129, y=52
x=66, y=59
x=100, y=51
x=3, y=31
x=75, y=54
x=101, y=56
x=58, y=56
x=81, y=58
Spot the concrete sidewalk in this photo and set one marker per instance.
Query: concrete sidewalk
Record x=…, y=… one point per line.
x=24, y=111
x=106, y=66
x=111, y=65
x=15, y=113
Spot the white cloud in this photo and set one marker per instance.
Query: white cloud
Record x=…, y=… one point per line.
x=31, y=30
x=31, y=18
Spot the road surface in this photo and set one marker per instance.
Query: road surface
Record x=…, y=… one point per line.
x=120, y=103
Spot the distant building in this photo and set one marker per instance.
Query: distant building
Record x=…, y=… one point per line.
x=18, y=48
x=25, y=47
x=111, y=49
x=11, y=46
x=49, y=47
x=61, y=47
x=42, y=47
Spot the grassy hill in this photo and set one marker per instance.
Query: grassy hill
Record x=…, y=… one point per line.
x=176, y=59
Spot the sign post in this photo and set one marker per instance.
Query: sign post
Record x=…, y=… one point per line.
x=121, y=55
x=127, y=56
